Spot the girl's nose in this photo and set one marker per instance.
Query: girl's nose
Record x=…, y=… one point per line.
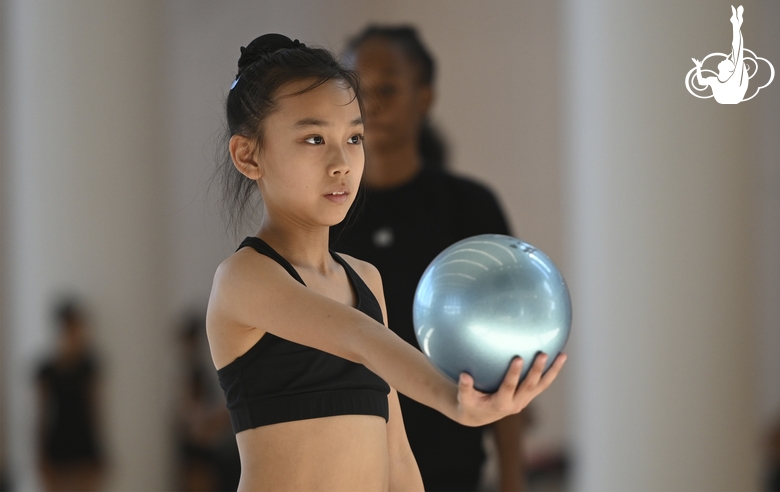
x=339, y=164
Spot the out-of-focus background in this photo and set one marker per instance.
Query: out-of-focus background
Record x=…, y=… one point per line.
x=661, y=209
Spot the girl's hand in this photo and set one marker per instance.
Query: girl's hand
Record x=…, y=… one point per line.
x=476, y=408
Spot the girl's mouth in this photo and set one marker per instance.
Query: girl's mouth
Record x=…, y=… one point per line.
x=337, y=196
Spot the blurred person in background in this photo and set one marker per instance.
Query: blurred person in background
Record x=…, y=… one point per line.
x=207, y=454
x=70, y=454
x=773, y=458
x=5, y=479
x=412, y=209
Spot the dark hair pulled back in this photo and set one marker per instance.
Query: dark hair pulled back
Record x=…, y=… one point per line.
x=266, y=64
x=66, y=312
x=433, y=150
x=406, y=38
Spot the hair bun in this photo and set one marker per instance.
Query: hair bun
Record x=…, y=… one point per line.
x=265, y=45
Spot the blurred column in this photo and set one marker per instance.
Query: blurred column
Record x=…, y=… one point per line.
x=659, y=251
x=83, y=215
x=768, y=196
x=3, y=242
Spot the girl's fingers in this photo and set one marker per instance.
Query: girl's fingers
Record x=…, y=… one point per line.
x=512, y=377
x=466, y=380
x=535, y=373
x=465, y=386
x=546, y=380
x=554, y=369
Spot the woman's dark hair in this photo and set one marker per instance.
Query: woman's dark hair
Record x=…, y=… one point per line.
x=67, y=312
x=266, y=64
x=433, y=149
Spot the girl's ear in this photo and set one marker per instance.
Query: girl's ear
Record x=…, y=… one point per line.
x=426, y=97
x=242, y=151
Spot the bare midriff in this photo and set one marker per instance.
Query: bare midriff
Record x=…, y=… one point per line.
x=347, y=452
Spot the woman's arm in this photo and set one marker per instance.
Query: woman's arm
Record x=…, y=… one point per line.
x=508, y=433
x=45, y=469
x=252, y=292
x=42, y=389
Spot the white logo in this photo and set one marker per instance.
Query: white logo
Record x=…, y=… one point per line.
x=735, y=70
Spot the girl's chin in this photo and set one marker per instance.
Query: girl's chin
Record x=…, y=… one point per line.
x=334, y=220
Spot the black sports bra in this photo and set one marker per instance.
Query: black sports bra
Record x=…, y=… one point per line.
x=280, y=381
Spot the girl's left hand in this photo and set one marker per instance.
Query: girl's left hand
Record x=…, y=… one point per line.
x=476, y=408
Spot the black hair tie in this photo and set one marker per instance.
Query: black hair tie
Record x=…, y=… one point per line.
x=272, y=43
x=263, y=47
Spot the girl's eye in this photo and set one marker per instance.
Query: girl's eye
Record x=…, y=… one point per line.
x=356, y=139
x=315, y=140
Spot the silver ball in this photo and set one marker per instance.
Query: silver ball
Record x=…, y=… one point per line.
x=485, y=300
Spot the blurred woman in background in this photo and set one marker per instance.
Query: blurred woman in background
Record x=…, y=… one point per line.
x=70, y=456
x=413, y=209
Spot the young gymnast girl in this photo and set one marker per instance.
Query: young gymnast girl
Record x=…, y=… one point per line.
x=296, y=331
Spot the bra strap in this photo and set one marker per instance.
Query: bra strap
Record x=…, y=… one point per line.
x=264, y=249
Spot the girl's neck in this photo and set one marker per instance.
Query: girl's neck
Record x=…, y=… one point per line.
x=301, y=247
x=391, y=167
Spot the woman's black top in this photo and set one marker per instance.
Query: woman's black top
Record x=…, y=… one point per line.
x=281, y=381
x=400, y=231
x=69, y=429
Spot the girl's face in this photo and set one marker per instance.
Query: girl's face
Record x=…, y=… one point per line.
x=311, y=159
x=396, y=101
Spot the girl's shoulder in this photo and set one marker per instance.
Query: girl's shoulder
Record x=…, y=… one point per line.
x=368, y=272
x=247, y=267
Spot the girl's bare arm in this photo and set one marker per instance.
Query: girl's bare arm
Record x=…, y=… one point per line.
x=253, y=292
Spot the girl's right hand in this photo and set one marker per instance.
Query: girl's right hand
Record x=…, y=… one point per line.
x=476, y=408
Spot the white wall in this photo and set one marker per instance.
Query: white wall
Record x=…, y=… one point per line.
x=766, y=147
x=3, y=242
x=661, y=191
x=82, y=176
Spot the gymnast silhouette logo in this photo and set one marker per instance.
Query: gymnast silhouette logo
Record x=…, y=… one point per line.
x=735, y=70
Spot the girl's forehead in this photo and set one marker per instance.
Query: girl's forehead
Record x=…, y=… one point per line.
x=332, y=100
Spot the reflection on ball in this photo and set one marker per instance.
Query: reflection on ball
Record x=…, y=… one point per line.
x=486, y=299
